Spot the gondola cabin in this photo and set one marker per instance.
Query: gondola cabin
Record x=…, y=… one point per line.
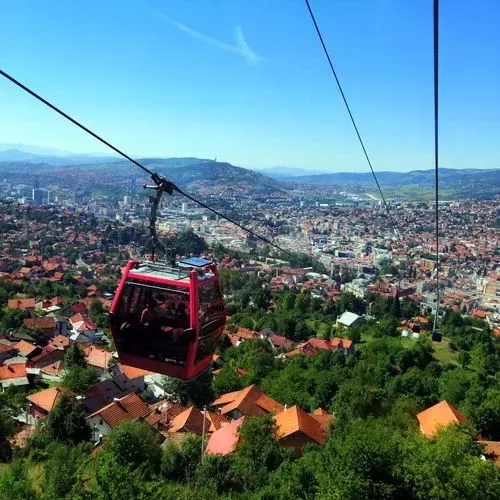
x=168, y=319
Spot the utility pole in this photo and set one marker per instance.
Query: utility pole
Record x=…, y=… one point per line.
x=203, y=433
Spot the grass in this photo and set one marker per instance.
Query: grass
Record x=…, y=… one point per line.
x=442, y=351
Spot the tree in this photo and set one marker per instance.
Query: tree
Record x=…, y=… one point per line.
x=79, y=380
x=74, y=356
x=257, y=452
x=197, y=392
x=227, y=381
x=61, y=469
x=134, y=444
x=67, y=421
x=180, y=463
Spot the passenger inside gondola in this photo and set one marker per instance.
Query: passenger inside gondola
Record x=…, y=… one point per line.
x=154, y=321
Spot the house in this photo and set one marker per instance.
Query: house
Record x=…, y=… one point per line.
x=349, y=320
x=14, y=375
x=345, y=344
x=97, y=358
x=296, y=428
x=60, y=342
x=52, y=372
x=27, y=349
x=127, y=408
x=217, y=421
x=491, y=450
x=279, y=342
x=190, y=420
x=41, y=403
x=83, y=331
x=130, y=378
x=224, y=440
x=438, y=416
x=62, y=324
x=162, y=415
x=249, y=401
x=47, y=324
x=7, y=350
x=26, y=305
x=48, y=355
x=102, y=394
x=304, y=349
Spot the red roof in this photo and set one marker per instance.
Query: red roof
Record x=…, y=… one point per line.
x=95, y=356
x=25, y=348
x=47, y=398
x=224, y=440
x=249, y=401
x=190, y=420
x=59, y=341
x=438, y=416
x=17, y=370
x=279, y=341
x=21, y=303
x=320, y=343
x=296, y=420
x=45, y=323
x=130, y=407
x=339, y=343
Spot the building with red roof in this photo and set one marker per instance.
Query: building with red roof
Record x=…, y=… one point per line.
x=127, y=408
x=42, y=402
x=250, y=401
x=13, y=375
x=224, y=440
x=439, y=416
x=296, y=428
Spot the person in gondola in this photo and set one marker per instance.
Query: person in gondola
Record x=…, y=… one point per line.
x=148, y=314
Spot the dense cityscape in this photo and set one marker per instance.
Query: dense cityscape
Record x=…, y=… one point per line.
x=299, y=352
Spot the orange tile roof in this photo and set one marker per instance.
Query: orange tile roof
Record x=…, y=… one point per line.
x=6, y=348
x=53, y=369
x=224, y=440
x=59, y=341
x=297, y=420
x=341, y=343
x=21, y=304
x=44, y=323
x=132, y=372
x=130, y=407
x=437, y=416
x=249, y=401
x=190, y=420
x=95, y=356
x=47, y=398
x=25, y=348
x=492, y=449
x=17, y=370
x=216, y=421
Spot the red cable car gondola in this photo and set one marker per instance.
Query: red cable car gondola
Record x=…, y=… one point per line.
x=168, y=319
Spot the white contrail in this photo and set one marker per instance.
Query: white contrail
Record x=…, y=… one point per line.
x=241, y=47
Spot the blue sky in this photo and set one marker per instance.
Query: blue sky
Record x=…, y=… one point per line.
x=246, y=80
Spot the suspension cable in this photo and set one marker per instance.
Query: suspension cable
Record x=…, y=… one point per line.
x=436, y=148
x=169, y=185
x=327, y=54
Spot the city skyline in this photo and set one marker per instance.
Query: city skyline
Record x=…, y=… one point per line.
x=251, y=89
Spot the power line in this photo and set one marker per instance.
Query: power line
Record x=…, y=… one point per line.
x=155, y=176
x=320, y=36
x=436, y=146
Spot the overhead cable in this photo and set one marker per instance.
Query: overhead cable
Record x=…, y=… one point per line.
x=137, y=163
x=327, y=54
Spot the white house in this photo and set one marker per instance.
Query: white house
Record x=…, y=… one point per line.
x=349, y=320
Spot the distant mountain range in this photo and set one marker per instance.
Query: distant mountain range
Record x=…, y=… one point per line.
x=195, y=173
x=38, y=154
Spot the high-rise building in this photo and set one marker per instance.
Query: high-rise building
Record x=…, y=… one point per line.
x=184, y=207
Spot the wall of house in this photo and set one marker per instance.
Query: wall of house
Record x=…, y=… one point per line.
x=98, y=427
x=297, y=441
